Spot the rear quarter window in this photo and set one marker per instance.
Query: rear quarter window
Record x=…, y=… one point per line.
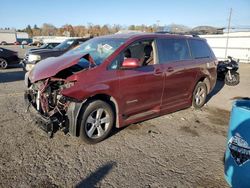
x=200, y=49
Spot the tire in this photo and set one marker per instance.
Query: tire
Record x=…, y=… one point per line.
x=3, y=63
x=199, y=95
x=235, y=79
x=92, y=129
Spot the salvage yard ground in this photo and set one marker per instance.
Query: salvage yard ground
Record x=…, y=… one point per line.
x=182, y=149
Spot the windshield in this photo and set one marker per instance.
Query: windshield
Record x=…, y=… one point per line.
x=98, y=48
x=44, y=45
x=65, y=44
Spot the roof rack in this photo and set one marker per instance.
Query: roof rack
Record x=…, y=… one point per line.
x=172, y=33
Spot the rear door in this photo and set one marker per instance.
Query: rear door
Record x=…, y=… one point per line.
x=179, y=69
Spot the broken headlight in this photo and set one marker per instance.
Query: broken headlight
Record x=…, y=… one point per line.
x=67, y=85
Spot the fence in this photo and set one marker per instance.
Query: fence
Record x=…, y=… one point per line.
x=238, y=45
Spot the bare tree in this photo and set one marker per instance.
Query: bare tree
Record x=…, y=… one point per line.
x=83, y=31
x=48, y=29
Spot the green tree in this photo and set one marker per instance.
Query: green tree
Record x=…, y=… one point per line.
x=131, y=27
x=29, y=31
x=35, y=27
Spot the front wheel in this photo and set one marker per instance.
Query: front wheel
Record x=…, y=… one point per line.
x=232, y=78
x=199, y=95
x=3, y=63
x=96, y=122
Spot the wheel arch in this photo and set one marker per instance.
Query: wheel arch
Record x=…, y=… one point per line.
x=206, y=80
x=4, y=58
x=104, y=97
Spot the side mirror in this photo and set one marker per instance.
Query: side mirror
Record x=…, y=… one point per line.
x=130, y=63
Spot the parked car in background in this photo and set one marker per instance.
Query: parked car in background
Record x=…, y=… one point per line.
x=44, y=46
x=33, y=57
x=118, y=80
x=36, y=43
x=49, y=45
x=24, y=42
x=8, y=57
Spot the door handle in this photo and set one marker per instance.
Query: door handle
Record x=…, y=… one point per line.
x=170, y=69
x=158, y=72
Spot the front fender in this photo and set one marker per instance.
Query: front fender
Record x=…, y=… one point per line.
x=83, y=92
x=72, y=113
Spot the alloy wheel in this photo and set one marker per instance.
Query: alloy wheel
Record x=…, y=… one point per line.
x=97, y=123
x=3, y=63
x=200, y=95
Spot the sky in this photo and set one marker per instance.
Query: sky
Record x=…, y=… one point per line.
x=18, y=14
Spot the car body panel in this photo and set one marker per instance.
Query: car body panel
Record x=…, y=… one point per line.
x=140, y=89
x=43, y=69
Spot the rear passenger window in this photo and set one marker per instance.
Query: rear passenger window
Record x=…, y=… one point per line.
x=199, y=49
x=173, y=50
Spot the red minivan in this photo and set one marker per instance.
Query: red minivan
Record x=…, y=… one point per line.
x=118, y=80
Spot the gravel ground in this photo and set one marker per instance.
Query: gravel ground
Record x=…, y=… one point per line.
x=182, y=149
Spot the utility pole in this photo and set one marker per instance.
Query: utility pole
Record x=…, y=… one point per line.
x=228, y=28
x=158, y=25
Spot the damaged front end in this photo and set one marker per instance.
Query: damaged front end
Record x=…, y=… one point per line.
x=47, y=104
x=44, y=96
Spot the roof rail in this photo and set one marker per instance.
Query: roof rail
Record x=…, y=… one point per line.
x=173, y=33
x=194, y=35
x=163, y=32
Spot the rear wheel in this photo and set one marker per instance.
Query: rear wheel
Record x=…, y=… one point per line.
x=96, y=122
x=3, y=43
x=199, y=95
x=233, y=79
x=3, y=63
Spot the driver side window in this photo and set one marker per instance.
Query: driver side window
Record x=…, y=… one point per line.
x=141, y=50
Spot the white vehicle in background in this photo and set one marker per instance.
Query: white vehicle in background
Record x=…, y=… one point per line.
x=24, y=42
x=11, y=36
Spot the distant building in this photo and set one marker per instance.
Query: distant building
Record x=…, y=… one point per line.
x=11, y=36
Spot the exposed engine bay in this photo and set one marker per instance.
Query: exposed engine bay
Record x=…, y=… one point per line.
x=45, y=96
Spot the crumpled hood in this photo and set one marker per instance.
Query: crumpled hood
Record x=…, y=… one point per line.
x=51, y=66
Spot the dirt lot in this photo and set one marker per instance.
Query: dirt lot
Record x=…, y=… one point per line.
x=183, y=149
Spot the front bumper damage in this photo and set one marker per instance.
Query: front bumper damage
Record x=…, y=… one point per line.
x=50, y=109
x=44, y=97
x=48, y=124
x=65, y=122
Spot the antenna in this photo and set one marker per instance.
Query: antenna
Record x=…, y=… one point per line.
x=228, y=28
